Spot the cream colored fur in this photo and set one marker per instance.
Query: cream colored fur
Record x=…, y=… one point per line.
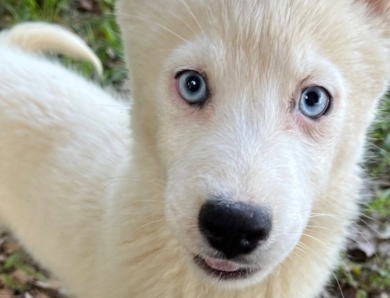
x=115, y=216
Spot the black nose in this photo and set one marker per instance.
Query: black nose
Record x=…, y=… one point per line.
x=234, y=228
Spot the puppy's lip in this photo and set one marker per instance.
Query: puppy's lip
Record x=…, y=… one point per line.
x=223, y=269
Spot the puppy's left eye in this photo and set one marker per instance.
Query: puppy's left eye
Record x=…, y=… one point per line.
x=192, y=87
x=314, y=102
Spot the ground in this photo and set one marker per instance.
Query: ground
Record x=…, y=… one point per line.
x=365, y=268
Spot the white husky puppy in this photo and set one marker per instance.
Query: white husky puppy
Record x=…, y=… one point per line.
x=242, y=174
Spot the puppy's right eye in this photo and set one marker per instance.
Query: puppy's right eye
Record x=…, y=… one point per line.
x=192, y=87
x=314, y=102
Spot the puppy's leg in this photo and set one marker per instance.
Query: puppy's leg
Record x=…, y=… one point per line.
x=62, y=139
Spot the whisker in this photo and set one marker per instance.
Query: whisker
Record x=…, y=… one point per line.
x=157, y=24
x=188, y=25
x=148, y=224
x=193, y=15
x=314, y=238
x=338, y=284
x=318, y=227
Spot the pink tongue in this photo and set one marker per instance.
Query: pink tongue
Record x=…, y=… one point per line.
x=224, y=266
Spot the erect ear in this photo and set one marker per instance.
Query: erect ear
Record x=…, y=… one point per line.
x=378, y=7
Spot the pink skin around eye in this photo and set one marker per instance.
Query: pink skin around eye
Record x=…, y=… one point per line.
x=311, y=128
x=175, y=88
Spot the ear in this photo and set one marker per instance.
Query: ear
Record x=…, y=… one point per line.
x=378, y=7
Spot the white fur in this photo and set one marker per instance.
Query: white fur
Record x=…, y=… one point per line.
x=115, y=219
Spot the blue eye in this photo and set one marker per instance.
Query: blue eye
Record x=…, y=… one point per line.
x=314, y=102
x=192, y=87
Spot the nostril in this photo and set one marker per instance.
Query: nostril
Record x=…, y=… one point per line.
x=260, y=234
x=234, y=228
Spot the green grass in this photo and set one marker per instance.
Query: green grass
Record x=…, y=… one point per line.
x=97, y=26
x=372, y=277
x=17, y=261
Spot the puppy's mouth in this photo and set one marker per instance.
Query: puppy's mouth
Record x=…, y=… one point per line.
x=224, y=270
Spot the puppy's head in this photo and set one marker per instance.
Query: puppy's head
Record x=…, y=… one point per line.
x=253, y=109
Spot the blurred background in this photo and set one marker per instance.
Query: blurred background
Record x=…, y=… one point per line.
x=365, y=267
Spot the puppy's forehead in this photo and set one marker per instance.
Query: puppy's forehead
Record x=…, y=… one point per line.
x=250, y=20
x=236, y=20
x=261, y=32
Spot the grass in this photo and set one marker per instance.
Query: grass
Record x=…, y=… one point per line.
x=97, y=26
x=94, y=21
x=14, y=262
x=371, y=277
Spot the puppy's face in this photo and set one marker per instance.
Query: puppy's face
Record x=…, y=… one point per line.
x=254, y=108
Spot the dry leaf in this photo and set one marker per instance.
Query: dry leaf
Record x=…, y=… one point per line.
x=85, y=5
x=362, y=244
x=10, y=246
x=6, y=294
x=50, y=284
x=21, y=277
x=2, y=240
x=90, y=6
x=385, y=234
x=40, y=295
